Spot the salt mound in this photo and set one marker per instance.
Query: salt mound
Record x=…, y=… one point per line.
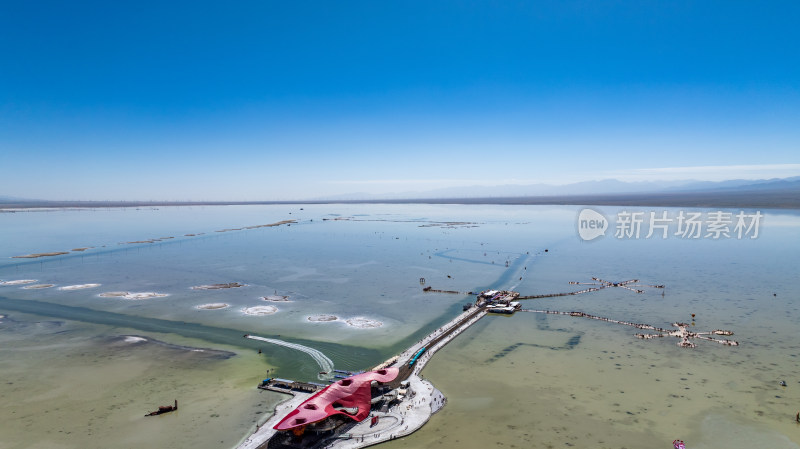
x=213, y=306
x=363, y=323
x=133, y=296
x=113, y=294
x=18, y=282
x=133, y=339
x=218, y=286
x=144, y=295
x=322, y=318
x=38, y=286
x=78, y=287
x=260, y=310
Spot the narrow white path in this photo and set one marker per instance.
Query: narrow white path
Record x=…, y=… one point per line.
x=325, y=364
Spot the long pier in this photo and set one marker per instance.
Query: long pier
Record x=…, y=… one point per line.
x=547, y=295
x=681, y=332
x=435, y=341
x=553, y=295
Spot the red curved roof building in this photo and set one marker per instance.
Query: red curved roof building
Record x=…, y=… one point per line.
x=350, y=397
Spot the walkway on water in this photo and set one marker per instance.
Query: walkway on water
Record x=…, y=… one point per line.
x=435, y=341
x=553, y=295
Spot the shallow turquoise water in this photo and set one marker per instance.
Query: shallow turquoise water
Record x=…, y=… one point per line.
x=370, y=264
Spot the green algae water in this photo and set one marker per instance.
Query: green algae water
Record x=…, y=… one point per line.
x=80, y=368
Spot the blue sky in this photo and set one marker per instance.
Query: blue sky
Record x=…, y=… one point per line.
x=267, y=100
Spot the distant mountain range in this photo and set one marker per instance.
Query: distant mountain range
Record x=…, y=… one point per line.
x=602, y=187
x=781, y=193
x=14, y=199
